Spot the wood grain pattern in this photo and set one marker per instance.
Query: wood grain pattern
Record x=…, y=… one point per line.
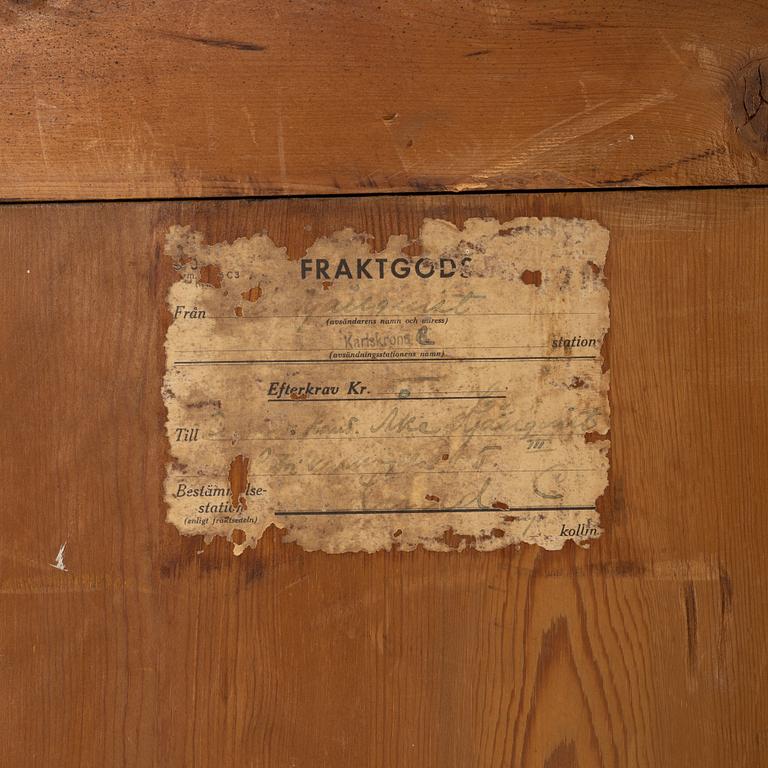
x=152, y=650
x=161, y=98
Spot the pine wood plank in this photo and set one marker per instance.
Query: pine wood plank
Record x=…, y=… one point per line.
x=646, y=649
x=163, y=99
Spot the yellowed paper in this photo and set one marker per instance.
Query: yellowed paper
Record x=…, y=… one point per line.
x=361, y=400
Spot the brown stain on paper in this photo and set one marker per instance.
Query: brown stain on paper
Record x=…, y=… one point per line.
x=252, y=294
x=238, y=480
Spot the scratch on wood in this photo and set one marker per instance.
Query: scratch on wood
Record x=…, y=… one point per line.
x=564, y=132
x=59, y=564
x=237, y=45
x=691, y=624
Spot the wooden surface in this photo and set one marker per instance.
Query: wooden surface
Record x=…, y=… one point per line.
x=165, y=98
x=648, y=649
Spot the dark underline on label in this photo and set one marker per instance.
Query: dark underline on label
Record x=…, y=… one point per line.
x=521, y=436
x=360, y=360
x=353, y=315
x=432, y=511
x=410, y=473
x=401, y=399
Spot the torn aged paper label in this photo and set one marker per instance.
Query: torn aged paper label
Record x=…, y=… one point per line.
x=445, y=392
